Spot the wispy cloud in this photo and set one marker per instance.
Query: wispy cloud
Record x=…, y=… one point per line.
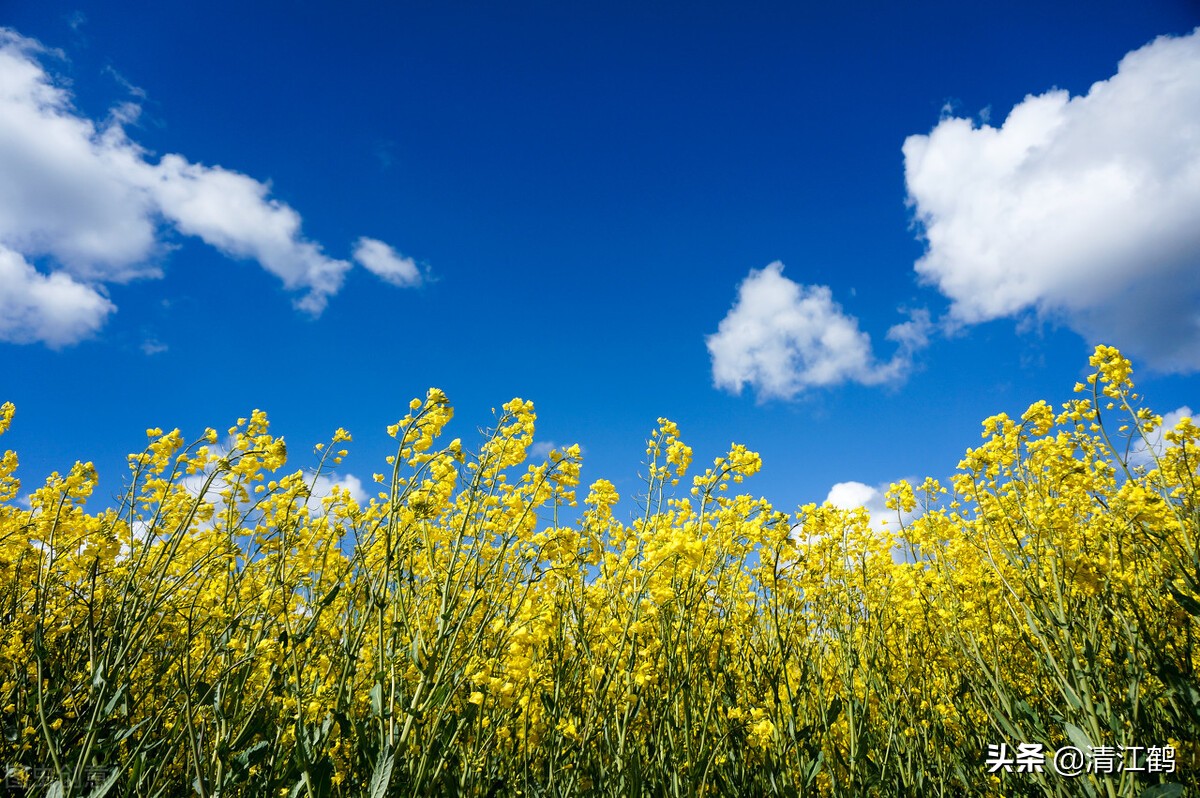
x=152, y=346
x=782, y=338
x=123, y=82
x=1147, y=450
x=1079, y=209
x=385, y=263
x=83, y=201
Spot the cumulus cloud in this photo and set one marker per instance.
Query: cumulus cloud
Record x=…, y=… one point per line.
x=323, y=488
x=231, y=212
x=851, y=495
x=385, y=263
x=52, y=308
x=67, y=191
x=781, y=338
x=319, y=488
x=540, y=450
x=1080, y=209
x=86, y=203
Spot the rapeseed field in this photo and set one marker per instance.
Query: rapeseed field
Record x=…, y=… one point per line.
x=223, y=631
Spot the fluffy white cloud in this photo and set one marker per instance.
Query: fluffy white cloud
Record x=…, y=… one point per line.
x=781, y=338
x=387, y=264
x=1081, y=209
x=54, y=309
x=323, y=488
x=85, y=197
x=231, y=212
x=851, y=495
x=540, y=450
x=319, y=489
x=69, y=189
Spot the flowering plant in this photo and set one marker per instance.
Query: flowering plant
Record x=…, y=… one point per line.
x=230, y=629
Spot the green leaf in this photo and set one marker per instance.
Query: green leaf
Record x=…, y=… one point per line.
x=103, y=787
x=1184, y=600
x=330, y=596
x=377, y=700
x=1180, y=688
x=1162, y=791
x=1072, y=697
x=438, y=697
x=414, y=653
x=814, y=768
x=1077, y=736
x=112, y=702
x=253, y=755
x=835, y=710
x=311, y=626
x=382, y=776
x=300, y=785
x=127, y=733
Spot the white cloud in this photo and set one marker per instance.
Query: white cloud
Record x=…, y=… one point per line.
x=540, y=450
x=67, y=191
x=1146, y=451
x=323, y=488
x=85, y=197
x=851, y=495
x=782, y=338
x=152, y=346
x=319, y=488
x=231, y=212
x=1080, y=209
x=54, y=309
x=384, y=262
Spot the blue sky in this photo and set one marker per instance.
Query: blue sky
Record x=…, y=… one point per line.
x=841, y=235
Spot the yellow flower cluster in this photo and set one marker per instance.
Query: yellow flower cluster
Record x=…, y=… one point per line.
x=222, y=631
